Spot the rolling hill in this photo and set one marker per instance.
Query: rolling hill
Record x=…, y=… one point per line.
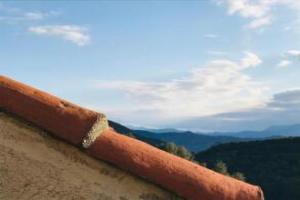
x=272, y=164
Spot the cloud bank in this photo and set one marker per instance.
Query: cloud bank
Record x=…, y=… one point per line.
x=219, y=86
x=283, y=108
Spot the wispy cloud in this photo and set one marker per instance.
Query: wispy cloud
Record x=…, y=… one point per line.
x=34, y=15
x=259, y=12
x=289, y=57
x=40, y=15
x=284, y=63
x=29, y=16
x=294, y=53
x=211, y=35
x=219, y=86
x=75, y=34
x=15, y=15
x=260, y=22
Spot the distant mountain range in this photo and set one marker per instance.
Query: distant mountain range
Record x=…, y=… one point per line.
x=196, y=142
x=273, y=131
x=192, y=141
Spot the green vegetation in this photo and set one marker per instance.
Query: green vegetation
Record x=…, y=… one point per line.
x=130, y=135
x=219, y=166
x=178, y=151
x=272, y=164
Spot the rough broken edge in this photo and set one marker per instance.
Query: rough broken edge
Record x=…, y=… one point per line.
x=99, y=127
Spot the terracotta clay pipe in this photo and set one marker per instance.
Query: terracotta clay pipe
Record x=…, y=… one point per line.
x=63, y=119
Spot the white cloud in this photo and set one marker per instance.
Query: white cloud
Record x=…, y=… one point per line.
x=259, y=12
x=294, y=53
x=284, y=63
x=259, y=22
x=30, y=16
x=282, y=108
x=76, y=34
x=35, y=15
x=12, y=15
x=289, y=58
x=247, y=9
x=211, y=36
x=220, y=86
x=250, y=60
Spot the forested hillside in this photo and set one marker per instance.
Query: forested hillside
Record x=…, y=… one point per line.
x=272, y=164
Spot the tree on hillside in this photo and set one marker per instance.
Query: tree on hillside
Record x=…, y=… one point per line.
x=221, y=167
x=184, y=153
x=130, y=135
x=178, y=151
x=171, y=148
x=238, y=175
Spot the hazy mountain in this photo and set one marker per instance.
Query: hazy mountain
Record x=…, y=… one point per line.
x=192, y=141
x=161, y=130
x=273, y=131
x=200, y=141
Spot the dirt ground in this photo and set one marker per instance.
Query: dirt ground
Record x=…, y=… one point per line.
x=35, y=166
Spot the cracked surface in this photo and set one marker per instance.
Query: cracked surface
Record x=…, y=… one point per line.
x=35, y=166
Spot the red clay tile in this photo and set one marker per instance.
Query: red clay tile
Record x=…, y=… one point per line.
x=65, y=120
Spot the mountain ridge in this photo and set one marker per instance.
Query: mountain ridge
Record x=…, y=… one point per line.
x=198, y=141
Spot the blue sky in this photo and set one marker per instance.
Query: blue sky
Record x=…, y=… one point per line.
x=200, y=65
